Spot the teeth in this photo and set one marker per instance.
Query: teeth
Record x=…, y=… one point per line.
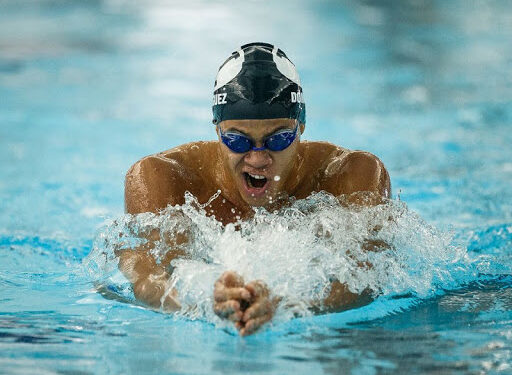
x=257, y=177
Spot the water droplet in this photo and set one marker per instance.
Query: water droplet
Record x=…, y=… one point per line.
x=316, y=231
x=277, y=178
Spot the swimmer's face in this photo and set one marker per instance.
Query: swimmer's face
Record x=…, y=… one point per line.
x=260, y=176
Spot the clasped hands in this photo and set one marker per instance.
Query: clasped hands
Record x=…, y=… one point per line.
x=248, y=306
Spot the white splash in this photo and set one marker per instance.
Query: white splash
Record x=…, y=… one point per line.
x=297, y=251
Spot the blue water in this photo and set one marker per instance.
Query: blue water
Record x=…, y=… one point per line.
x=88, y=88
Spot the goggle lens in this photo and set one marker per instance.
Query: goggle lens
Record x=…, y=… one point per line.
x=276, y=142
x=280, y=140
x=236, y=142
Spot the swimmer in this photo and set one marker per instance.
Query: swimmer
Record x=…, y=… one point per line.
x=259, y=160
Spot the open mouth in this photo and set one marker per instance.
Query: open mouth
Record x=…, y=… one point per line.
x=255, y=181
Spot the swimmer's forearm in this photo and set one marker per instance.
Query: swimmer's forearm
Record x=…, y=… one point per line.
x=155, y=291
x=150, y=280
x=340, y=299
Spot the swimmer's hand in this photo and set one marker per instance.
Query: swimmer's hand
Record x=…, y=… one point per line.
x=247, y=305
x=230, y=297
x=260, y=310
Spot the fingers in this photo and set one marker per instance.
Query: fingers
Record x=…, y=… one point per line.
x=258, y=289
x=261, y=310
x=229, y=310
x=231, y=279
x=228, y=294
x=221, y=293
x=230, y=286
x=248, y=306
x=253, y=324
x=257, y=309
x=224, y=309
x=236, y=317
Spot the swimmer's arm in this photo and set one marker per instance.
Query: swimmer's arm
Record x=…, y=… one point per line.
x=150, y=280
x=358, y=178
x=150, y=185
x=340, y=298
x=155, y=182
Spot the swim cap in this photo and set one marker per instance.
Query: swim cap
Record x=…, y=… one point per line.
x=258, y=81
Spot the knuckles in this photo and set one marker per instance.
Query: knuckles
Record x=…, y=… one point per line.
x=248, y=314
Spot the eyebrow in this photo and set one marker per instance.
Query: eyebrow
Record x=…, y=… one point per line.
x=283, y=127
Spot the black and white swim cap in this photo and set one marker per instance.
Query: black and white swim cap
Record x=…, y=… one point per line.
x=258, y=81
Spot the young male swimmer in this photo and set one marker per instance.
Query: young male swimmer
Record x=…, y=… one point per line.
x=258, y=160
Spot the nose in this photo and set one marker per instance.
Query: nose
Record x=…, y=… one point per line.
x=258, y=159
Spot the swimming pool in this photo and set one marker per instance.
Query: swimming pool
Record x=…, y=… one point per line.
x=87, y=88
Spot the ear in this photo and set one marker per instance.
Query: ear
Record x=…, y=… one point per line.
x=302, y=127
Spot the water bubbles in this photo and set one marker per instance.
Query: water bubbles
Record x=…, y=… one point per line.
x=212, y=198
x=298, y=251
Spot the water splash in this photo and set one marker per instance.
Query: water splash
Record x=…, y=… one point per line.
x=298, y=251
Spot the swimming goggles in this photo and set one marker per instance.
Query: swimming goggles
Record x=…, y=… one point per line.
x=278, y=141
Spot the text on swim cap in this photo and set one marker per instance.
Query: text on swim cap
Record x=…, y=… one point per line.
x=297, y=97
x=219, y=99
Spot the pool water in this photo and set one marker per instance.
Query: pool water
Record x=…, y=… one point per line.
x=88, y=88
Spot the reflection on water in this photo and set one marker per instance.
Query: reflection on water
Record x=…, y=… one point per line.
x=439, y=336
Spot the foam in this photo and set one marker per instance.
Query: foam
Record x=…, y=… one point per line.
x=297, y=251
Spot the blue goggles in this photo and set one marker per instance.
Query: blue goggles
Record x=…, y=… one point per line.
x=240, y=143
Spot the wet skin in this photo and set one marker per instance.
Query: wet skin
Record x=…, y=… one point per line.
x=256, y=178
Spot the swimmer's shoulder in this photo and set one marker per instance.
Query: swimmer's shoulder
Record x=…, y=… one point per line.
x=318, y=155
x=191, y=155
x=344, y=171
x=158, y=180
x=321, y=151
